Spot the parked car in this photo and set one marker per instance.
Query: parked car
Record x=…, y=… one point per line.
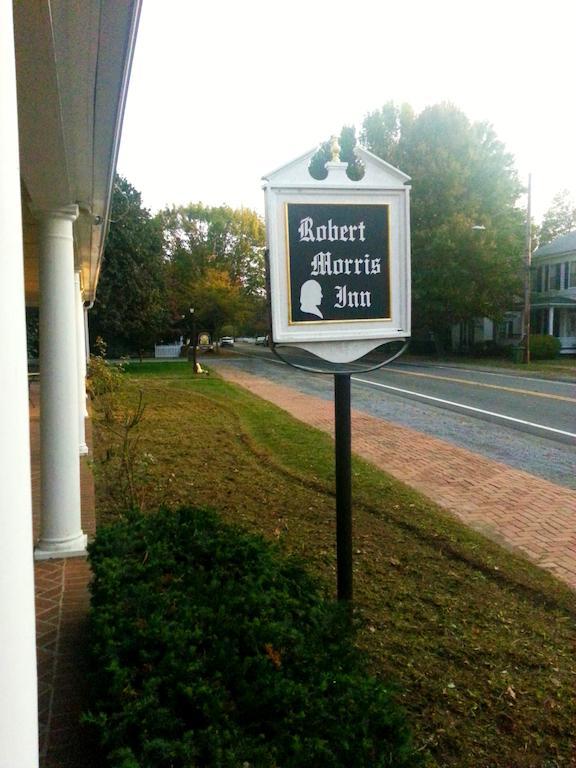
x=226, y=341
x=263, y=340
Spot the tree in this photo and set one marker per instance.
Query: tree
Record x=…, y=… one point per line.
x=217, y=250
x=218, y=301
x=347, y=141
x=462, y=177
x=559, y=219
x=130, y=311
x=383, y=128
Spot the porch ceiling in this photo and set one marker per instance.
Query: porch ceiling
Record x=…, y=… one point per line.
x=73, y=61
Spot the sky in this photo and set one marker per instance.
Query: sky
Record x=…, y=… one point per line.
x=223, y=92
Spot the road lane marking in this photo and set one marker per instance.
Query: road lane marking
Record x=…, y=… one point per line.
x=503, y=374
x=466, y=407
x=460, y=405
x=488, y=386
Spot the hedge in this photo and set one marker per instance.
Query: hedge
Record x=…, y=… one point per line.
x=210, y=648
x=543, y=347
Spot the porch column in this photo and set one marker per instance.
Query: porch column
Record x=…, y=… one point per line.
x=61, y=534
x=81, y=361
x=551, y=321
x=18, y=683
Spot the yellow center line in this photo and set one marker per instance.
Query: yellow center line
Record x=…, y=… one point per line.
x=488, y=386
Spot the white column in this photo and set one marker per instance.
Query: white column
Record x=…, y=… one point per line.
x=551, y=321
x=81, y=362
x=18, y=683
x=61, y=534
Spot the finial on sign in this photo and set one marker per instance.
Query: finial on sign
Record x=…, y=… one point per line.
x=335, y=149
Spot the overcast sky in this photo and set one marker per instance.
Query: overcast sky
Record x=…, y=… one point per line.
x=223, y=92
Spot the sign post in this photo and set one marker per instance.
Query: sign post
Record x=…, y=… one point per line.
x=339, y=285
x=343, y=440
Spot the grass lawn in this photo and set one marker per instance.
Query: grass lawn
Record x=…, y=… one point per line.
x=480, y=642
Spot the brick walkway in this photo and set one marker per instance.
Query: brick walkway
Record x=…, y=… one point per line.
x=62, y=601
x=528, y=513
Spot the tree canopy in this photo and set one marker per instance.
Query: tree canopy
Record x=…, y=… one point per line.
x=214, y=262
x=467, y=236
x=559, y=219
x=156, y=268
x=467, y=231
x=130, y=310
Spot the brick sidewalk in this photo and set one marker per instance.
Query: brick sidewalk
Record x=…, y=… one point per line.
x=62, y=601
x=513, y=507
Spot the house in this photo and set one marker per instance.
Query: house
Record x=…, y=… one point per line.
x=552, y=303
x=64, y=68
x=553, y=298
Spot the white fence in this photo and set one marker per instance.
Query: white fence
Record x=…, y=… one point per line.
x=167, y=350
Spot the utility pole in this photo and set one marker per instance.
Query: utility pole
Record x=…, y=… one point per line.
x=527, y=267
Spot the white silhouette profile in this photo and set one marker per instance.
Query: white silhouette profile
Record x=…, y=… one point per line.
x=311, y=298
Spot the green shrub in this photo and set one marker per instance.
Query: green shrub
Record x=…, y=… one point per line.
x=211, y=649
x=544, y=347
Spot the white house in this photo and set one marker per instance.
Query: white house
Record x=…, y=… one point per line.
x=554, y=291
x=64, y=67
x=552, y=302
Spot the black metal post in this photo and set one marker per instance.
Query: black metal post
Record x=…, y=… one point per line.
x=194, y=344
x=343, y=434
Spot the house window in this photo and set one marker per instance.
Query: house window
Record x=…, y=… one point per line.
x=539, y=278
x=571, y=320
x=571, y=274
x=554, y=278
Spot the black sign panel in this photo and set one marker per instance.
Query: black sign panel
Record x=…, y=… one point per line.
x=338, y=262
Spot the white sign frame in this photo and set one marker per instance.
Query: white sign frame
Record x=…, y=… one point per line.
x=382, y=184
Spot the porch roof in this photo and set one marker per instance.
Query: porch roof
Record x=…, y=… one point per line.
x=540, y=300
x=561, y=245
x=73, y=61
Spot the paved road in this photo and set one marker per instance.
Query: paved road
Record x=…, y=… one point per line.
x=525, y=422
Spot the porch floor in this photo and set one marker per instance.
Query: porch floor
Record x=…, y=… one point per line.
x=62, y=600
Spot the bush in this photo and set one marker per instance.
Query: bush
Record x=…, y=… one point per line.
x=210, y=649
x=544, y=347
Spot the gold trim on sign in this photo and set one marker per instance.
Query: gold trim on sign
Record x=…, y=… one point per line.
x=289, y=282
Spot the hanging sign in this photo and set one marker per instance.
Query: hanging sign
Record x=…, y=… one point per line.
x=339, y=257
x=338, y=262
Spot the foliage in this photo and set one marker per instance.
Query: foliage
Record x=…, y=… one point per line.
x=130, y=311
x=122, y=468
x=461, y=623
x=210, y=649
x=203, y=245
x=544, y=347
x=218, y=301
x=559, y=219
x=32, y=333
x=104, y=379
x=383, y=129
x=462, y=177
x=347, y=141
